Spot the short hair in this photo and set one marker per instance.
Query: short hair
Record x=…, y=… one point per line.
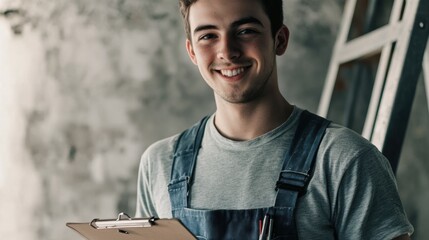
x=273, y=9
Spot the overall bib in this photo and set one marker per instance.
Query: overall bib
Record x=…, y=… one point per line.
x=246, y=224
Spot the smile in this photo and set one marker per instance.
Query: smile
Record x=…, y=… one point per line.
x=232, y=72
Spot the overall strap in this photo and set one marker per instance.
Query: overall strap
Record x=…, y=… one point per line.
x=184, y=159
x=298, y=164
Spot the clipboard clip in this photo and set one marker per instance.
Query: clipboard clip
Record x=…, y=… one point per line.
x=122, y=214
x=122, y=222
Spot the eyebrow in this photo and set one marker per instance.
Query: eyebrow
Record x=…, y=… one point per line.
x=235, y=24
x=247, y=20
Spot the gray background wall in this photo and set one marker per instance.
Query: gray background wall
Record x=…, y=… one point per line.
x=86, y=86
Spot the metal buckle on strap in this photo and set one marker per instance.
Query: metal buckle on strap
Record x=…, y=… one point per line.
x=293, y=187
x=292, y=180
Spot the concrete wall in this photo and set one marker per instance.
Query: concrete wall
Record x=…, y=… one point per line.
x=86, y=86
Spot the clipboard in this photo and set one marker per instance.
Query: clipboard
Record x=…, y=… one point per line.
x=133, y=229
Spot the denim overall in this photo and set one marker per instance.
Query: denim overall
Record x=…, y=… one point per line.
x=245, y=224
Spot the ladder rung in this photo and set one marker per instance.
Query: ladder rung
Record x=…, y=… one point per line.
x=370, y=43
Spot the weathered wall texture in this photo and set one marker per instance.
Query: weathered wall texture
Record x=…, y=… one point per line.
x=86, y=86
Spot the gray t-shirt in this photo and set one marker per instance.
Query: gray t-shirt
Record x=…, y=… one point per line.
x=352, y=195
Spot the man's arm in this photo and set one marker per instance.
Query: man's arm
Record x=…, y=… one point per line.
x=144, y=204
x=368, y=202
x=153, y=178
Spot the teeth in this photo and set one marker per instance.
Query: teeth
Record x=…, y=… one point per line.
x=232, y=73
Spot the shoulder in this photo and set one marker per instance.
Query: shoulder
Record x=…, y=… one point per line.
x=340, y=151
x=342, y=148
x=160, y=151
x=353, y=188
x=162, y=146
x=345, y=160
x=157, y=160
x=344, y=140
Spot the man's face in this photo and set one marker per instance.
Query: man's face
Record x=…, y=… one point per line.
x=232, y=45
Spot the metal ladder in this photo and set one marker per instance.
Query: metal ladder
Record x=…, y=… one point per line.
x=399, y=46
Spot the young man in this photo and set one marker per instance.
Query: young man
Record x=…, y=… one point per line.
x=260, y=167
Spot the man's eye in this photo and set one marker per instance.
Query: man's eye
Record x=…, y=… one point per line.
x=207, y=37
x=246, y=31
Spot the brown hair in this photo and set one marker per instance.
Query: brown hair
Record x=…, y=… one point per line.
x=273, y=9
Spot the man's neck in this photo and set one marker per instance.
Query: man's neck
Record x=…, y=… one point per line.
x=247, y=121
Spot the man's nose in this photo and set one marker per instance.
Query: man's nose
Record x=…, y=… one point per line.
x=229, y=49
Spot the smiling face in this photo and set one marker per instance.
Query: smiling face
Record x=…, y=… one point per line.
x=232, y=45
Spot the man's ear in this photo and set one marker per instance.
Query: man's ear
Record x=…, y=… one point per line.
x=281, y=40
x=191, y=52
